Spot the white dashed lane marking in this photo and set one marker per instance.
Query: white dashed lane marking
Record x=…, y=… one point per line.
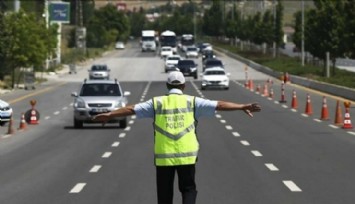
x=122, y=135
x=131, y=122
x=271, y=167
x=351, y=133
x=236, y=134
x=223, y=121
x=47, y=117
x=127, y=128
x=106, y=155
x=77, y=188
x=245, y=143
x=95, y=169
x=56, y=113
x=115, y=144
x=256, y=153
x=228, y=127
x=65, y=108
x=218, y=116
x=292, y=186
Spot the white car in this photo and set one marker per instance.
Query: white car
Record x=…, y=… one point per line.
x=215, y=77
x=5, y=112
x=191, y=52
x=119, y=45
x=171, y=61
x=166, y=51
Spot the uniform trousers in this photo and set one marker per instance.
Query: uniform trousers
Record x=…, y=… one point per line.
x=165, y=183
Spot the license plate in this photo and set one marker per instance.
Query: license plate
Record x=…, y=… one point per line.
x=5, y=114
x=99, y=110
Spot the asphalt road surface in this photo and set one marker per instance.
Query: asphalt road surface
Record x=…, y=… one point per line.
x=282, y=155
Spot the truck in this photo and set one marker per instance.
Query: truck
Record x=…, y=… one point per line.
x=148, y=40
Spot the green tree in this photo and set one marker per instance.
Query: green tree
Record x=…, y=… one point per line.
x=213, y=20
x=349, y=18
x=325, y=30
x=106, y=26
x=25, y=42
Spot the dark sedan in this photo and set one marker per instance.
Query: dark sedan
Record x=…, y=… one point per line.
x=187, y=67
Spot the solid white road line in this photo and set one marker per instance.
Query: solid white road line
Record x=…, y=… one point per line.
x=256, y=153
x=334, y=126
x=95, y=169
x=292, y=186
x=77, y=188
x=271, y=167
x=115, y=144
x=244, y=142
x=236, y=134
x=122, y=135
x=106, y=155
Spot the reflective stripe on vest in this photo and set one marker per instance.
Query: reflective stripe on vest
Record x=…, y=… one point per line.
x=174, y=128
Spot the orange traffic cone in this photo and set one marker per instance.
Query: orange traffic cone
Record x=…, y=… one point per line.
x=266, y=91
x=251, y=85
x=257, y=88
x=294, y=102
x=271, y=95
x=309, y=110
x=33, y=119
x=325, y=113
x=283, y=100
x=10, y=130
x=23, y=122
x=338, y=115
x=347, y=120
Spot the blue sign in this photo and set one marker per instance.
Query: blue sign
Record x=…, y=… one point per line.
x=59, y=12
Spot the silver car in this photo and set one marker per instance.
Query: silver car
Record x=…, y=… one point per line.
x=98, y=96
x=5, y=112
x=99, y=71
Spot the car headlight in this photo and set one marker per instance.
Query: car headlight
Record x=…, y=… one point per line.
x=79, y=103
x=119, y=104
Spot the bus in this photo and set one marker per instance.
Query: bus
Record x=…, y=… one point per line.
x=186, y=41
x=168, y=38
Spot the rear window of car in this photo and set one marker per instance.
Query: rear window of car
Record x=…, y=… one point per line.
x=214, y=73
x=191, y=49
x=166, y=49
x=186, y=62
x=214, y=63
x=100, y=90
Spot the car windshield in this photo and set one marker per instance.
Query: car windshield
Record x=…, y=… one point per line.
x=100, y=90
x=98, y=68
x=214, y=73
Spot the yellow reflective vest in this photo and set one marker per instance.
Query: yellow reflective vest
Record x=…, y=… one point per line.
x=174, y=130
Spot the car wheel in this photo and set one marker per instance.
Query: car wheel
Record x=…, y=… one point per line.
x=123, y=123
x=78, y=123
x=2, y=123
x=203, y=88
x=226, y=88
x=195, y=76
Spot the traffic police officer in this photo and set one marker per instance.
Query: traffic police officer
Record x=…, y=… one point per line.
x=176, y=145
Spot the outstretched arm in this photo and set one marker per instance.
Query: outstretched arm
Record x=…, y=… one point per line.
x=230, y=106
x=125, y=111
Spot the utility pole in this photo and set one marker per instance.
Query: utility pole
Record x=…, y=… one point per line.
x=274, y=43
x=302, y=43
x=17, y=5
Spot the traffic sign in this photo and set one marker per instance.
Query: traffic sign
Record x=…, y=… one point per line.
x=59, y=12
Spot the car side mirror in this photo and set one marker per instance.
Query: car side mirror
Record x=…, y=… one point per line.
x=74, y=94
x=126, y=93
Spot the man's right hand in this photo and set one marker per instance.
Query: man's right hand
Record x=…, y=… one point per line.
x=103, y=117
